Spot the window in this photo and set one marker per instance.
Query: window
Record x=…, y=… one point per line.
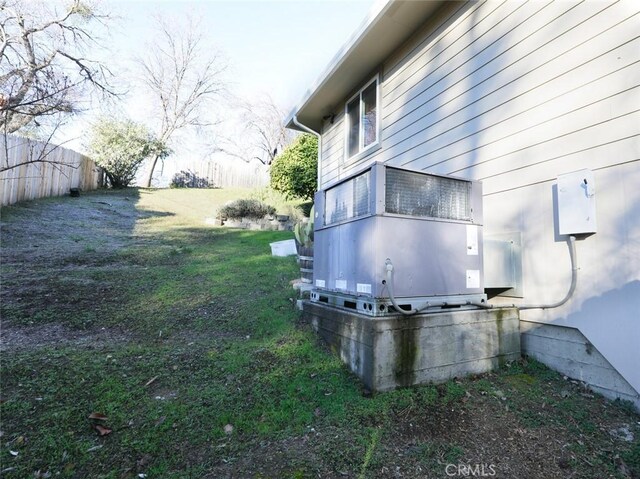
x=362, y=113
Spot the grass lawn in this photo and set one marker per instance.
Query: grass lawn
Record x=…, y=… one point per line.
x=184, y=335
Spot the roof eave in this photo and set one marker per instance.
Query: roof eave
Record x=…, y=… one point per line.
x=388, y=26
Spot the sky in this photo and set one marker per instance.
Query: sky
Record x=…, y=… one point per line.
x=275, y=47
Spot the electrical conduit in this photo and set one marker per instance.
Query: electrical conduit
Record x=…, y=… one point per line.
x=572, y=288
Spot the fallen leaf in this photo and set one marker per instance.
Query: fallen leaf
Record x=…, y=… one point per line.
x=98, y=416
x=102, y=431
x=151, y=381
x=143, y=461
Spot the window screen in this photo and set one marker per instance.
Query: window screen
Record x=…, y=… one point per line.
x=369, y=100
x=362, y=112
x=353, y=112
x=422, y=195
x=348, y=200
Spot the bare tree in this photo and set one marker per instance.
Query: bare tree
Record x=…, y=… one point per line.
x=264, y=122
x=183, y=79
x=43, y=70
x=263, y=134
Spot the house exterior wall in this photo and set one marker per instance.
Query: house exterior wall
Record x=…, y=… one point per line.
x=515, y=94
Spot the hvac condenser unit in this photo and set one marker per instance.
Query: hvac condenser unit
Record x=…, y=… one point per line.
x=428, y=227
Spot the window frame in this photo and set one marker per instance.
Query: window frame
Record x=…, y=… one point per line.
x=362, y=150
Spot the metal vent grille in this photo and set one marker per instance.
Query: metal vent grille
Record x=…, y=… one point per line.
x=422, y=195
x=348, y=200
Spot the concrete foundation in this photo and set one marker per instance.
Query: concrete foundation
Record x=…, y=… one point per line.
x=398, y=351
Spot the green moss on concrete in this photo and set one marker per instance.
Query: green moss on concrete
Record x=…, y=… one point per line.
x=406, y=356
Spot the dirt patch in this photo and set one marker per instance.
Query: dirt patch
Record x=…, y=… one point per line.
x=31, y=337
x=288, y=457
x=486, y=435
x=61, y=264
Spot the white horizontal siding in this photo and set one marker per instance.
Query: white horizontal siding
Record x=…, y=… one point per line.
x=439, y=28
x=471, y=111
x=332, y=149
x=515, y=94
x=606, y=304
x=437, y=69
x=518, y=93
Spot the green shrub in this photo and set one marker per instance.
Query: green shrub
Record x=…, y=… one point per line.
x=304, y=231
x=121, y=146
x=294, y=172
x=253, y=209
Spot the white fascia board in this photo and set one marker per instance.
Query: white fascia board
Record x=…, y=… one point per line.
x=387, y=26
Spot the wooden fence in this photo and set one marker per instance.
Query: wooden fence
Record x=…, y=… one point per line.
x=32, y=169
x=227, y=174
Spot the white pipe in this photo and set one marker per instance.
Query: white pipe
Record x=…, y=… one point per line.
x=572, y=288
x=389, y=267
x=574, y=281
x=313, y=132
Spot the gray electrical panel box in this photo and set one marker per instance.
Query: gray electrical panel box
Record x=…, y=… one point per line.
x=503, y=264
x=429, y=226
x=577, y=203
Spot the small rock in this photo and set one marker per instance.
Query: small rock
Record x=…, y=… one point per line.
x=623, y=433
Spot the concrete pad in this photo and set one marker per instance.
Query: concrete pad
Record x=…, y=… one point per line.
x=399, y=351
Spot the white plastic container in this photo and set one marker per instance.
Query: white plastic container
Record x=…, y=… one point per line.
x=283, y=248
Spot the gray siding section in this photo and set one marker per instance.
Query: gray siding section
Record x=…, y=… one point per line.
x=516, y=94
x=498, y=87
x=568, y=351
x=332, y=148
